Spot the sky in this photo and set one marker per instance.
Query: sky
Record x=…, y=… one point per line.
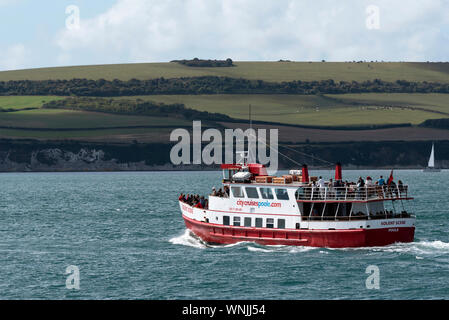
x=50, y=33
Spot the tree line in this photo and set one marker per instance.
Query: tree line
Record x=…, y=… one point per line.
x=134, y=107
x=436, y=123
x=206, y=63
x=210, y=85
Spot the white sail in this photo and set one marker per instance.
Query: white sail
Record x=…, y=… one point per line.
x=431, y=159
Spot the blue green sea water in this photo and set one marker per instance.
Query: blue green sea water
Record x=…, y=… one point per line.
x=125, y=233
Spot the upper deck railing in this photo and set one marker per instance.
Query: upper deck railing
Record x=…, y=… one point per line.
x=353, y=193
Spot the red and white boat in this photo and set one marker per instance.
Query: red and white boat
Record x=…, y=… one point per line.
x=289, y=210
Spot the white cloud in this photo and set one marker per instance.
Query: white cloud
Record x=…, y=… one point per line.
x=142, y=31
x=12, y=57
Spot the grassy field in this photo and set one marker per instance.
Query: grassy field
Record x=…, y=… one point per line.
x=430, y=101
x=68, y=119
x=327, y=110
x=270, y=71
x=24, y=102
x=127, y=135
x=317, y=110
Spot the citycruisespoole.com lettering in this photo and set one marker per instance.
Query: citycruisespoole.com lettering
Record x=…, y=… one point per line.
x=259, y=204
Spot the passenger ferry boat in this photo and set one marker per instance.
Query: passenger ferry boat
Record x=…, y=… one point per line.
x=291, y=210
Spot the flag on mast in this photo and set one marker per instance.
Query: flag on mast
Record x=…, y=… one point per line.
x=390, y=179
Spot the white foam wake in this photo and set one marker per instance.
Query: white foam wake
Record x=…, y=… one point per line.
x=281, y=248
x=437, y=244
x=189, y=239
x=420, y=249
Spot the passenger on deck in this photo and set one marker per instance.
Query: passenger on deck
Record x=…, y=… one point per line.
x=322, y=185
x=181, y=197
x=360, y=187
x=369, y=182
x=330, y=189
x=338, y=184
x=226, y=191
x=202, y=201
x=401, y=187
x=381, y=181
x=393, y=189
x=214, y=192
x=369, y=186
x=199, y=205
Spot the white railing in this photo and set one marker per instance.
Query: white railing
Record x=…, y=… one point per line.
x=380, y=215
x=352, y=193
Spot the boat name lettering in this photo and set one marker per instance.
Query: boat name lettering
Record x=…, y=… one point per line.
x=388, y=223
x=188, y=209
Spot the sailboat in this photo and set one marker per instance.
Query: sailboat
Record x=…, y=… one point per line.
x=431, y=164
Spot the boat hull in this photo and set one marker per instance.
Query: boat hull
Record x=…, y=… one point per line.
x=219, y=234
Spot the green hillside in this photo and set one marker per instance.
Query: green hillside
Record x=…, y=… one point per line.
x=24, y=102
x=23, y=116
x=327, y=110
x=269, y=71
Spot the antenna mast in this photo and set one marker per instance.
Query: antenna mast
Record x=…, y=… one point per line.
x=250, y=120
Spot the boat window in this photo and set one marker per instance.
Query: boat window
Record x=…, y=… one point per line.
x=237, y=192
x=281, y=223
x=247, y=222
x=226, y=220
x=266, y=193
x=258, y=222
x=317, y=209
x=252, y=193
x=282, y=194
x=237, y=221
x=307, y=207
x=344, y=209
x=270, y=223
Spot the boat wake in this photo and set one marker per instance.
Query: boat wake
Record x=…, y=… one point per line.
x=188, y=238
x=420, y=249
x=286, y=249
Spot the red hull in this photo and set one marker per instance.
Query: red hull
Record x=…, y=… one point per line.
x=219, y=234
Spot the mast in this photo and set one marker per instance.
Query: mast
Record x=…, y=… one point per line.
x=250, y=156
x=431, y=163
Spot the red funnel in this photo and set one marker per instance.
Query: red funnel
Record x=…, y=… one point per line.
x=305, y=174
x=338, y=174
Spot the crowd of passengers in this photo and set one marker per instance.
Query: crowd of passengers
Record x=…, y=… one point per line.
x=361, y=189
x=220, y=193
x=194, y=200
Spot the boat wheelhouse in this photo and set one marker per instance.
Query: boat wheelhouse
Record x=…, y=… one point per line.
x=297, y=210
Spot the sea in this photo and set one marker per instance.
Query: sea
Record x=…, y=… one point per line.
x=120, y=235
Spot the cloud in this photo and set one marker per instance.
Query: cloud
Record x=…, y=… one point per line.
x=12, y=57
x=150, y=30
